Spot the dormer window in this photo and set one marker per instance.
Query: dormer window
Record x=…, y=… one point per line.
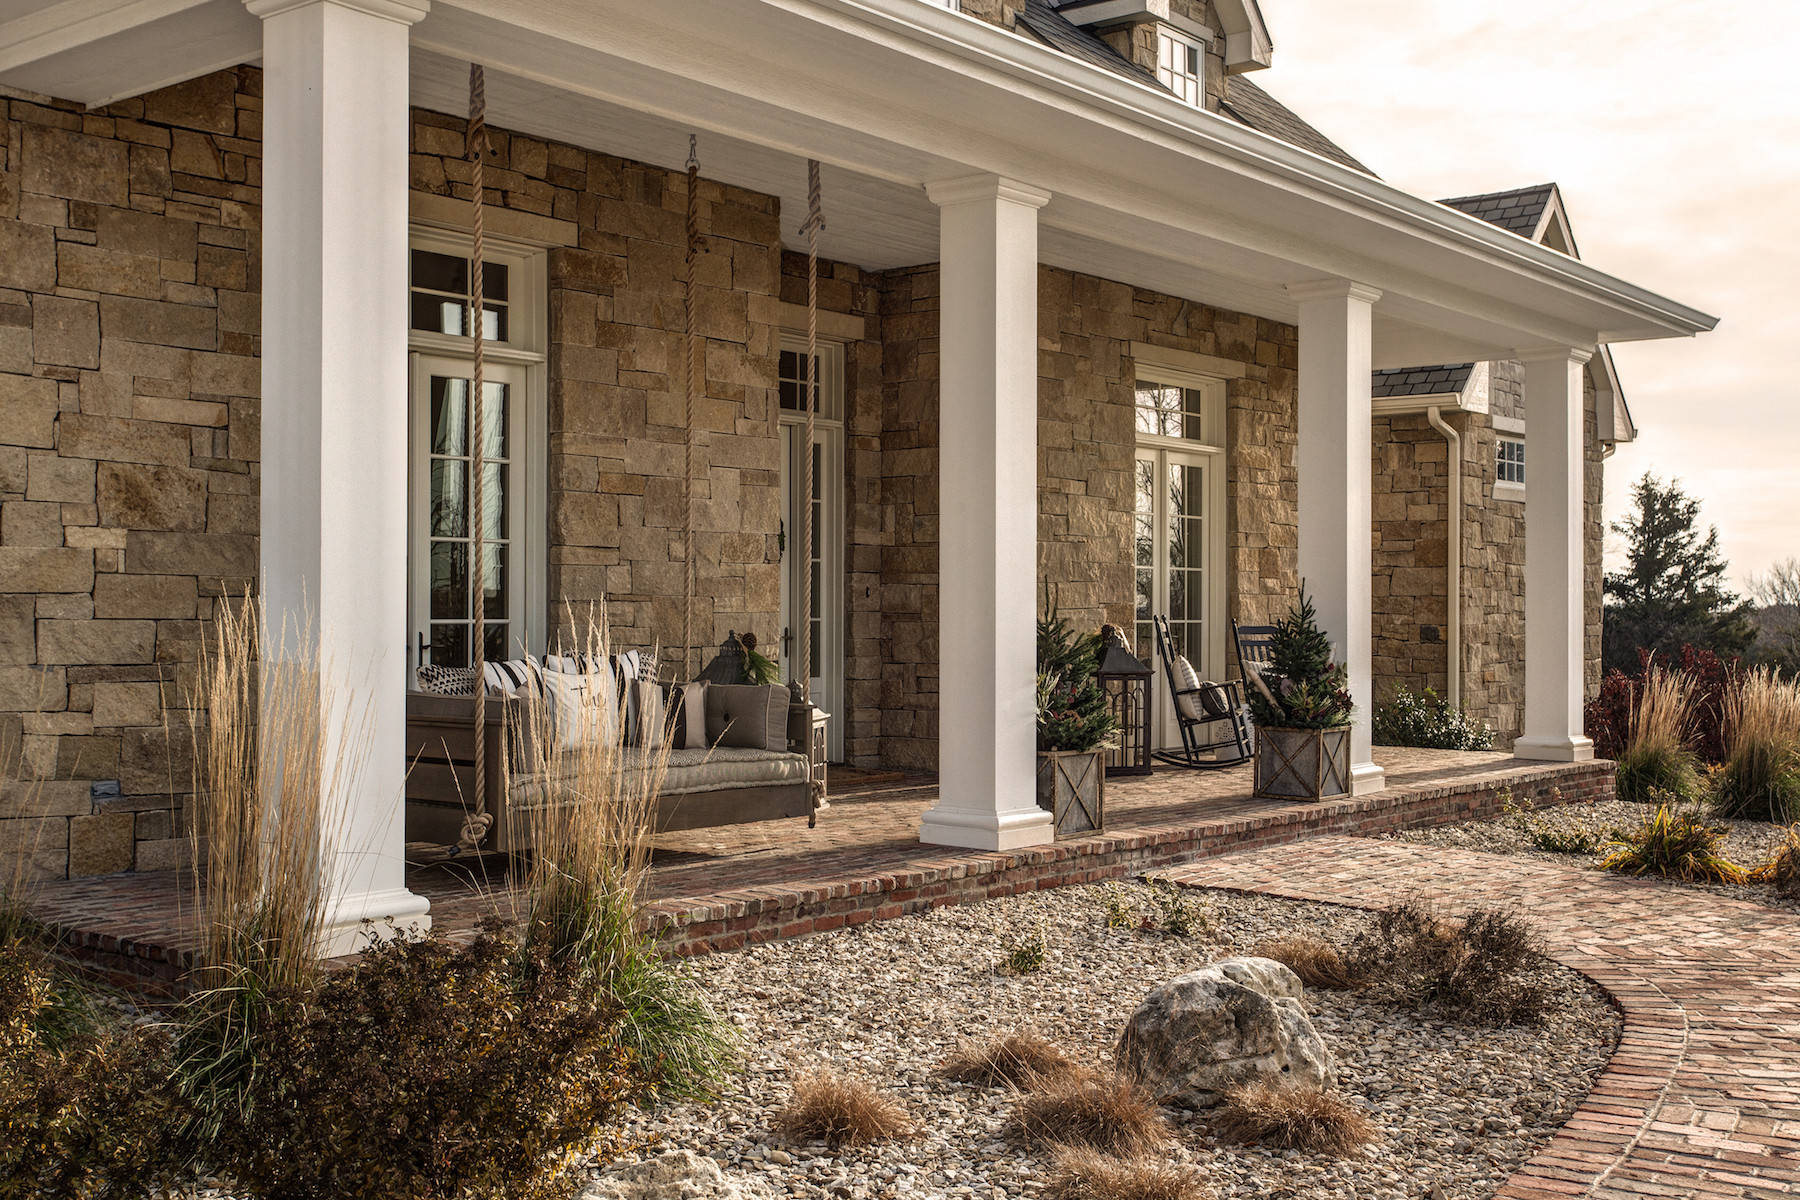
x=1181, y=66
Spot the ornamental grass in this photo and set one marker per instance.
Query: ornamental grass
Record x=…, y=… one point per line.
x=1084, y=1174
x=1674, y=842
x=840, y=1111
x=1293, y=1118
x=1760, y=777
x=1096, y=1111
x=1656, y=757
x=1782, y=871
x=1316, y=961
x=1022, y=1059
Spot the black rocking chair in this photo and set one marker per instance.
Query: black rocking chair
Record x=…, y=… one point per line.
x=1255, y=647
x=1200, y=709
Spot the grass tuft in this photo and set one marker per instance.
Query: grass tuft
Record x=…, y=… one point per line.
x=1656, y=757
x=1026, y=956
x=1760, y=777
x=1084, y=1174
x=1317, y=962
x=1102, y=1112
x=1474, y=969
x=1675, y=843
x=840, y=1111
x=1015, y=1059
x=1783, y=868
x=1293, y=1119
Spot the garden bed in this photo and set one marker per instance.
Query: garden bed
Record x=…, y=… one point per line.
x=1458, y=1107
x=1747, y=843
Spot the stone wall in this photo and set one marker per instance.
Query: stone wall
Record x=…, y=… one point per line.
x=129, y=312
x=1410, y=499
x=1138, y=42
x=1086, y=442
x=1003, y=13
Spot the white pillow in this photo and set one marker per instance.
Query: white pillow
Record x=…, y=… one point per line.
x=693, y=716
x=1187, y=680
x=514, y=677
x=648, y=721
x=582, y=708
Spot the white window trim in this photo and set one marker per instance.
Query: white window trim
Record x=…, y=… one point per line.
x=1178, y=81
x=1213, y=420
x=1506, y=489
x=527, y=348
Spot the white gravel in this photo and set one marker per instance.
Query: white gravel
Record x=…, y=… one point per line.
x=1748, y=843
x=1459, y=1107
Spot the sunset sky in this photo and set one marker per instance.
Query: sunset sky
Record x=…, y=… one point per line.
x=1674, y=131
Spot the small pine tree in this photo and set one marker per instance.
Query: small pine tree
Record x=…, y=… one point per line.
x=1072, y=708
x=1302, y=687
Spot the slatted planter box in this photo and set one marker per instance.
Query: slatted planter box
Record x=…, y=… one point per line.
x=1071, y=785
x=1302, y=764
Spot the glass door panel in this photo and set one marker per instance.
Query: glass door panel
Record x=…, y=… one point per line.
x=1173, y=566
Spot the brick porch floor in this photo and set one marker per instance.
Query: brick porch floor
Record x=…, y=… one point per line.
x=1703, y=1096
x=720, y=889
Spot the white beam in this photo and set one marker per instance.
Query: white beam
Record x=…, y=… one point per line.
x=334, y=410
x=1555, y=558
x=1335, y=454
x=987, y=505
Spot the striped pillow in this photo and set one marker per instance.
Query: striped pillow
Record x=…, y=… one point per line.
x=514, y=677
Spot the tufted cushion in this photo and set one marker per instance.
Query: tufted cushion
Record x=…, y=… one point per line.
x=748, y=716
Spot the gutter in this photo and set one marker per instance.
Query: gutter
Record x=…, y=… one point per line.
x=1453, y=553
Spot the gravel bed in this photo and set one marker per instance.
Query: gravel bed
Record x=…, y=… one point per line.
x=1459, y=1107
x=1748, y=843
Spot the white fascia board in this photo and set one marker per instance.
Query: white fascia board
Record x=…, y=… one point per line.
x=1247, y=43
x=1134, y=109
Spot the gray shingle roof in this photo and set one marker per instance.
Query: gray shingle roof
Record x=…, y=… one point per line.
x=1517, y=211
x=1245, y=103
x=1249, y=105
x=1422, y=381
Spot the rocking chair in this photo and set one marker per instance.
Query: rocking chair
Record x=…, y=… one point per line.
x=1201, y=708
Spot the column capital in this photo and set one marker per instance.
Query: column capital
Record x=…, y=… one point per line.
x=1333, y=289
x=971, y=189
x=1578, y=355
x=404, y=12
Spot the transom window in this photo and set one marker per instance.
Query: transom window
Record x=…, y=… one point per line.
x=1510, y=467
x=790, y=374
x=441, y=296
x=1168, y=410
x=1181, y=67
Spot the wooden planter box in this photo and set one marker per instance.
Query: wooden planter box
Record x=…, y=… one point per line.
x=1071, y=785
x=1302, y=764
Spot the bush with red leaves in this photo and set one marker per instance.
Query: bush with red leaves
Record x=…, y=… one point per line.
x=1608, y=714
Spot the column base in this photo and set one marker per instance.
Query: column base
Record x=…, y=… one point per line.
x=1554, y=749
x=987, y=830
x=353, y=921
x=1366, y=778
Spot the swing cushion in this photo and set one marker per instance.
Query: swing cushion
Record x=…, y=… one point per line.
x=748, y=716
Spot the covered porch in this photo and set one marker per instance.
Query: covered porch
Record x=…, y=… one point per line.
x=944, y=140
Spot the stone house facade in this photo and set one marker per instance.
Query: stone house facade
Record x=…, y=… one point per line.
x=130, y=285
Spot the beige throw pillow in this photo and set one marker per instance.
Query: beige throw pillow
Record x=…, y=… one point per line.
x=693, y=716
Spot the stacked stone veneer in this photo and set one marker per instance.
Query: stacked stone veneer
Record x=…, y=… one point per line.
x=1086, y=441
x=129, y=316
x=1411, y=461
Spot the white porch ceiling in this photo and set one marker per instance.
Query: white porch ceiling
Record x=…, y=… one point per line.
x=891, y=94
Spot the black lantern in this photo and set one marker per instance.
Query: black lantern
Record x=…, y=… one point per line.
x=1127, y=683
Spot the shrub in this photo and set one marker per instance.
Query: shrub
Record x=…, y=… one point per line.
x=1292, y=1118
x=1121, y=912
x=1089, y=1175
x=1608, y=715
x=1656, y=757
x=1178, y=914
x=1783, y=868
x=1760, y=778
x=1025, y=956
x=1473, y=969
x=1096, y=1111
x=1429, y=721
x=839, y=1111
x=1015, y=1059
x=1674, y=843
x=1317, y=962
x=432, y=1071
x=91, y=1117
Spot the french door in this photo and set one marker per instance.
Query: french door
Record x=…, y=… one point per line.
x=1179, y=536
x=817, y=568
x=444, y=624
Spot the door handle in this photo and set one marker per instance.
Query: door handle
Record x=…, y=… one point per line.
x=422, y=652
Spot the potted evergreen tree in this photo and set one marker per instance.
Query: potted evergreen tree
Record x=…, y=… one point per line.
x=1075, y=726
x=1301, y=704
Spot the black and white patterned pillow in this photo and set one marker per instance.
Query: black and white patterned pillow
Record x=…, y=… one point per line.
x=445, y=681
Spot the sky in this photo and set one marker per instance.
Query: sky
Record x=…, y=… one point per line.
x=1674, y=132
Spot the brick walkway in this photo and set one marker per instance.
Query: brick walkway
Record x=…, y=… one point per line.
x=1703, y=1096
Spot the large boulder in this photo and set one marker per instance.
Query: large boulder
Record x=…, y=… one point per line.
x=677, y=1175
x=1239, y=1020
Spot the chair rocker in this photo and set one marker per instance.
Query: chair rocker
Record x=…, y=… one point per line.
x=1200, y=709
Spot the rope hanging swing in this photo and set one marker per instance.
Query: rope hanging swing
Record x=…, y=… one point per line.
x=692, y=378
x=815, y=221
x=476, y=825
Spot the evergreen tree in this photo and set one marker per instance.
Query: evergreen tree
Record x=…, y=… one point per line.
x=1672, y=591
x=1303, y=686
x=1073, y=712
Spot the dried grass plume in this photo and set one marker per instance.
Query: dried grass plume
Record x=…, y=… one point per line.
x=1291, y=1118
x=1090, y=1175
x=1021, y=1059
x=839, y=1111
x=1102, y=1112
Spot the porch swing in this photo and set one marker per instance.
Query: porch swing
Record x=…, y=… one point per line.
x=457, y=787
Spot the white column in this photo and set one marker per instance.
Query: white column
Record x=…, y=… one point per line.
x=1555, y=558
x=335, y=76
x=1334, y=460
x=987, y=505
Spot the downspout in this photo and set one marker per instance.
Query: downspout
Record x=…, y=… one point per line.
x=1453, y=553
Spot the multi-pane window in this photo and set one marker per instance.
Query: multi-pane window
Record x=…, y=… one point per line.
x=449, y=527
x=1510, y=467
x=1181, y=67
x=441, y=296
x=1164, y=410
